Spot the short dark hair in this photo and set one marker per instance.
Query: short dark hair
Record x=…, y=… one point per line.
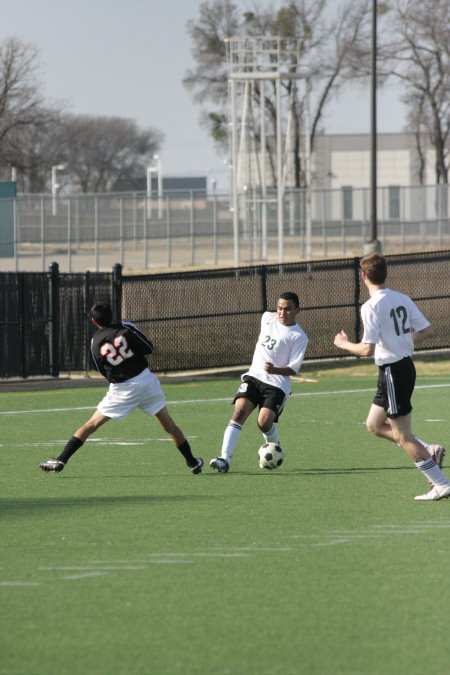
x=102, y=314
x=374, y=266
x=289, y=295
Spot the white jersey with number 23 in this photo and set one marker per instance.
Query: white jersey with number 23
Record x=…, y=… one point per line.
x=280, y=345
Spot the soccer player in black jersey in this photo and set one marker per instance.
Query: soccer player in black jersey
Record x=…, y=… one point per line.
x=119, y=352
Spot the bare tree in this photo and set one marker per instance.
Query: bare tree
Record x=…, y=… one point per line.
x=21, y=104
x=101, y=151
x=332, y=44
x=218, y=20
x=33, y=149
x=420, y=58
x=24, y=118
x=34, y=135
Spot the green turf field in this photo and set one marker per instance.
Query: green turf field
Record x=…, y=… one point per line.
x=127, y=564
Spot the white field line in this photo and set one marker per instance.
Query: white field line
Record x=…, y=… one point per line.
x=337, y=537
x=20, y=583
x=74, y=568
x=221, y=400
x=73, y=577
x=46, y=410
x=97, y=441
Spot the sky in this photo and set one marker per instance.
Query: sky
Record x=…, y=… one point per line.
x=127, y=58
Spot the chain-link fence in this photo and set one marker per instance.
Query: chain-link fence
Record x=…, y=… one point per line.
x=202, y=319
x=193, y=229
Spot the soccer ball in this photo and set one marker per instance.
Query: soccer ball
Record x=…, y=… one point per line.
x=270, y=456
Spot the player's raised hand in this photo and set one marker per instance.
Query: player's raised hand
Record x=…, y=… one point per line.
x=341, y=339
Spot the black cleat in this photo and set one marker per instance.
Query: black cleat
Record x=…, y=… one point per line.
x=197, y=468
x=54, y=465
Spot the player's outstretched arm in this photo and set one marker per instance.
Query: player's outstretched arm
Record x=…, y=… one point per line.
x=341, y=341
x=421, y=335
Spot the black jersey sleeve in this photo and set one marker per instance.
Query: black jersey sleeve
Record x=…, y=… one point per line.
x=141, y=343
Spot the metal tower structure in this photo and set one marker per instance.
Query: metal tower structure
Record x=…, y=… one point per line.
x=254, y=64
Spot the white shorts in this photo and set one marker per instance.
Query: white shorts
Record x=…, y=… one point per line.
x=143, y=391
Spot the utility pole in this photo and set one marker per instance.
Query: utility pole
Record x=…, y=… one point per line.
x=373, y=245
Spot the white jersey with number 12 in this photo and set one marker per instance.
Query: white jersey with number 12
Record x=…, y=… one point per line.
x=389, y=318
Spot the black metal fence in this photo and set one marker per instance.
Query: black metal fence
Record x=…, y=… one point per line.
x=202, y=319
x=44, y=326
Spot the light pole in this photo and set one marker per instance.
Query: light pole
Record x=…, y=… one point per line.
x=373, y=245
x=150, y=170
x=157, y=158
x=55, y=186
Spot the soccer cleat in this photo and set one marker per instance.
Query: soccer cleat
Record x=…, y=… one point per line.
x=197, y=468
x=221, y=465
x=54, y=465
x=436, y=492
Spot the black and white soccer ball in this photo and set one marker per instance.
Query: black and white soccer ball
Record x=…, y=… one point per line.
x=270, y=455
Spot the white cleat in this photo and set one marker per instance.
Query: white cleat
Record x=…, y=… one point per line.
x=219, y=464
x=436, y=492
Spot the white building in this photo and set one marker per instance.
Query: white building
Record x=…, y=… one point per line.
x=341, y=163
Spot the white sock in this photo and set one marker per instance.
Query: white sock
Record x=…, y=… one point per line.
x=272, y=435
x=432, y=472
x=230, y=439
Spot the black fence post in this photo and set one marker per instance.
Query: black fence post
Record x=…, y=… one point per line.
x=86, y=320
x=22, y=327
x=53, y=318
x=357, y=295
x=264, y=288
x=116, y=292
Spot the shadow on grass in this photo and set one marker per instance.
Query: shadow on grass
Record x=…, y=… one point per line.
x=327, y=471
x=25, y=506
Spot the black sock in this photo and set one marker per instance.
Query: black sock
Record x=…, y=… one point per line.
x=185, y=450
x=72, y=446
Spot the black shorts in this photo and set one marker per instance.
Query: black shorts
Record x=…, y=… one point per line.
x=262, y=395
x=395, y=387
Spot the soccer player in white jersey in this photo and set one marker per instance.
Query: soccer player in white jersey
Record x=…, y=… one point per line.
x=278, y=354
x=393, y=325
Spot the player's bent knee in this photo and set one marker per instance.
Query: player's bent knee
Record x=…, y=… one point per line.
x=374, y=428
x=371, y=428
x=265, y=426
x=239, y=416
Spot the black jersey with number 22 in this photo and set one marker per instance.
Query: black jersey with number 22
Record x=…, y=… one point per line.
x=119, y=351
